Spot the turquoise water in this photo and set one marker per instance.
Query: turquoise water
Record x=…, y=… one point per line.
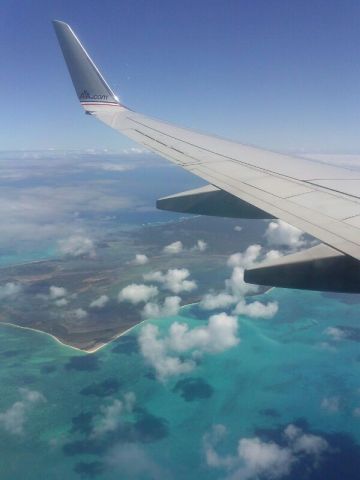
x=279, y=373
x=30, y=255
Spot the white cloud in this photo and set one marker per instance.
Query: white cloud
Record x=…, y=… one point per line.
x=256, y=309
x=114, y=167
x=170, y=308
x=173, y=248
x=46, y=210
x=210, y=441
x=99, y=302
x=137, y=293
x=61, y=302
x=200, y=246
x=46, y=203
x=178, y=247
x=111, y=415
x=305, y=442
x=57, y=292
x=263, y=458
x=280, y=233
x=335, y=333
x=175, y=280
x=140, y=259
x=9, y=290
x=212, y=301
x=14, y=418
x=256, y=458
x=236, y=284
x=135, y=150
x=236, y=288
x=110, y=419
x=129, y=400
x=245, y=259
x=78, y=313
x=76, y=246
x=154, y=276
x=272, y=255
x=237, y=228
x=331, y=404
x=155, y=351
x=217, y=336
x=164, y=353
x=133, y=462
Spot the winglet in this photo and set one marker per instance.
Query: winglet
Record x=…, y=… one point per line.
x=91, y=87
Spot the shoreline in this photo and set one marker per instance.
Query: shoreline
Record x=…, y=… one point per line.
x=82, y=350
x=102, y=345
x=57, y=340
x=8, y=324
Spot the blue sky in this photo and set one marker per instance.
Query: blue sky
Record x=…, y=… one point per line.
x=283, y=74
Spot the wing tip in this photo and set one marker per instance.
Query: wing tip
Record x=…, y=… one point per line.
x=60, y=27
x=90, y=86
x=59, y=22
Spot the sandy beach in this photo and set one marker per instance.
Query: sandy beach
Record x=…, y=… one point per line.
x=83, y=350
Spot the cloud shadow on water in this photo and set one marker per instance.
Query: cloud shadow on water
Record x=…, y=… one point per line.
x=82, y=423
x=199, y=314
x=150, y=375
x=10, y=353
x=109, y=386
x=270, y=412
x=87, y=446
x=89, y=469
x=46, y=369
x=193, y=389
x=351, y=333
x=147, y=428
x=27, y=379
x=83, y=363
x=126, y=345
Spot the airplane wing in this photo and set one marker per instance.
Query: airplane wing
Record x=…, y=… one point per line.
x=243, y=182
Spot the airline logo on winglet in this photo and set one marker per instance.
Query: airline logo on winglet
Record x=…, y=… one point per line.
x=85, y=95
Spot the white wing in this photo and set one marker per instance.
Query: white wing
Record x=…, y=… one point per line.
x=321, y=200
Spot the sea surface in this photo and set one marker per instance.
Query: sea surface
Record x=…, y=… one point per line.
x=285, y=370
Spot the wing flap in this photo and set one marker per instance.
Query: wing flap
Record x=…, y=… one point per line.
x=209, y=200
x=311, y=269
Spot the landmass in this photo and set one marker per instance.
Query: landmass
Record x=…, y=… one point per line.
x=69, y=318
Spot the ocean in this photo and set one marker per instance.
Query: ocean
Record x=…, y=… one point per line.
x=301, y=367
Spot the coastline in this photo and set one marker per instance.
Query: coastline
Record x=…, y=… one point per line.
x=83, y=350
x=96, y=348
x=8, y=324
